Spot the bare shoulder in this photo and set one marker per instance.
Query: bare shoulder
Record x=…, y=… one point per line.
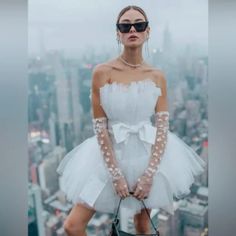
x=101, y=70
x=100, y=74
x=114, y=64
x=159, y=77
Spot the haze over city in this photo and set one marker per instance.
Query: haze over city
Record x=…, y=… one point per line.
x=79, y=25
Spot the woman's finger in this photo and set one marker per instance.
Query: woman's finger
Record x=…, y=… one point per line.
x=124, y=193
x=140, y=195
x=127, y=193
x=136, y=192
x=119, y=192
x=126, y=190
x=121, y=195
x=143, y=196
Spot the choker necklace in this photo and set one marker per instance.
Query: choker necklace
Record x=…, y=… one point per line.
x=131, y=65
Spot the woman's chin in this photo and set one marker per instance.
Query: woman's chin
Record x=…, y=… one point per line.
x=133, y=45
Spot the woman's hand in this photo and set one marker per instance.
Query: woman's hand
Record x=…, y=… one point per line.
x=121, y=187
x=143, y=187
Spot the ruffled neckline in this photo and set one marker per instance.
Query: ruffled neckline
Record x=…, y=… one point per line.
x=130, y=84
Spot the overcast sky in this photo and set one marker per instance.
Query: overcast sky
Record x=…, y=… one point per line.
x=77, y=24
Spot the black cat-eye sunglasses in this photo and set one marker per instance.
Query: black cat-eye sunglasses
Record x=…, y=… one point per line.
x=125, y=27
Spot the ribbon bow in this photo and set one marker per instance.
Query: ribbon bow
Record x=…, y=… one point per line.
x=145, y=131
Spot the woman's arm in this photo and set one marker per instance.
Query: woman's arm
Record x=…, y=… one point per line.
x=101, y=130
x=144, y=183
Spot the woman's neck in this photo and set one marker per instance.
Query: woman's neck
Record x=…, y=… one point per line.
x=132, y=55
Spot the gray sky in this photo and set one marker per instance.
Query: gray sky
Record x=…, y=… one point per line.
x=78, y=24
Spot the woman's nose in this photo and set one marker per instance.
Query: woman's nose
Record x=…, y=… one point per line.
x=132, y=29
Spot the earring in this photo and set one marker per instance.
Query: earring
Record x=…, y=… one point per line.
x=146, y=46
x=119, y=44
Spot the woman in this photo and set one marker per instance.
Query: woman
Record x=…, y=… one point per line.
x=127, y=153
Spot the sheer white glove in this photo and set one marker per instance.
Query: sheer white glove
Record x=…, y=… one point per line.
x=144, y=184
x=104, y=141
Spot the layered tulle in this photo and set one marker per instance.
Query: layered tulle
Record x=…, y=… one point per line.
x=84, y=178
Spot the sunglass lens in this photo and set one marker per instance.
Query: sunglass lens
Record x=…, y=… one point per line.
x=124, y=28
x=141, y=26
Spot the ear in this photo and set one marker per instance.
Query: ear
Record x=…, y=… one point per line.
x=148, y=31
x=117, y=35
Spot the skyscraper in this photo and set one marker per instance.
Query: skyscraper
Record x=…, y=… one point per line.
x=35, y=210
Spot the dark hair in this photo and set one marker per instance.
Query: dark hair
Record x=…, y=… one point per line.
x=122, y=12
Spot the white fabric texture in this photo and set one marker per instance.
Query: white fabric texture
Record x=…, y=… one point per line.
x=129, y=109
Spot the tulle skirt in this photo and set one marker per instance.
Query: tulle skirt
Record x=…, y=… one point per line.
x=85, y=179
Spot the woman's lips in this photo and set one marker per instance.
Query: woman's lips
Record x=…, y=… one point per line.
x=133, y=37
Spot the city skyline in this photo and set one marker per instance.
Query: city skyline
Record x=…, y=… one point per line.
x=75, y=26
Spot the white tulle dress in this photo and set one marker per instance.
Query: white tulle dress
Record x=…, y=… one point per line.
x=84, y=177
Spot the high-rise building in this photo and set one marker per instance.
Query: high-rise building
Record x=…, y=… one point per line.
x=42, y=47
x=34, y=173
x=60, y=232
x=52, y=225
x=35, y=211
x=57, y=203
x=48, y=176
x=193, y=212
x=175, y=221
x=64, y=111
x=52, y=129
x=164, y=223
x=201, y=71
x=202, y=193
x=192, y=231
x=193, y=112
x=76, y=104
x=167, y=42
x=204, y=154
x=63, y=102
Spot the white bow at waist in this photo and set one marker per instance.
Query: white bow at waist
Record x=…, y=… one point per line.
x=144, y=129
